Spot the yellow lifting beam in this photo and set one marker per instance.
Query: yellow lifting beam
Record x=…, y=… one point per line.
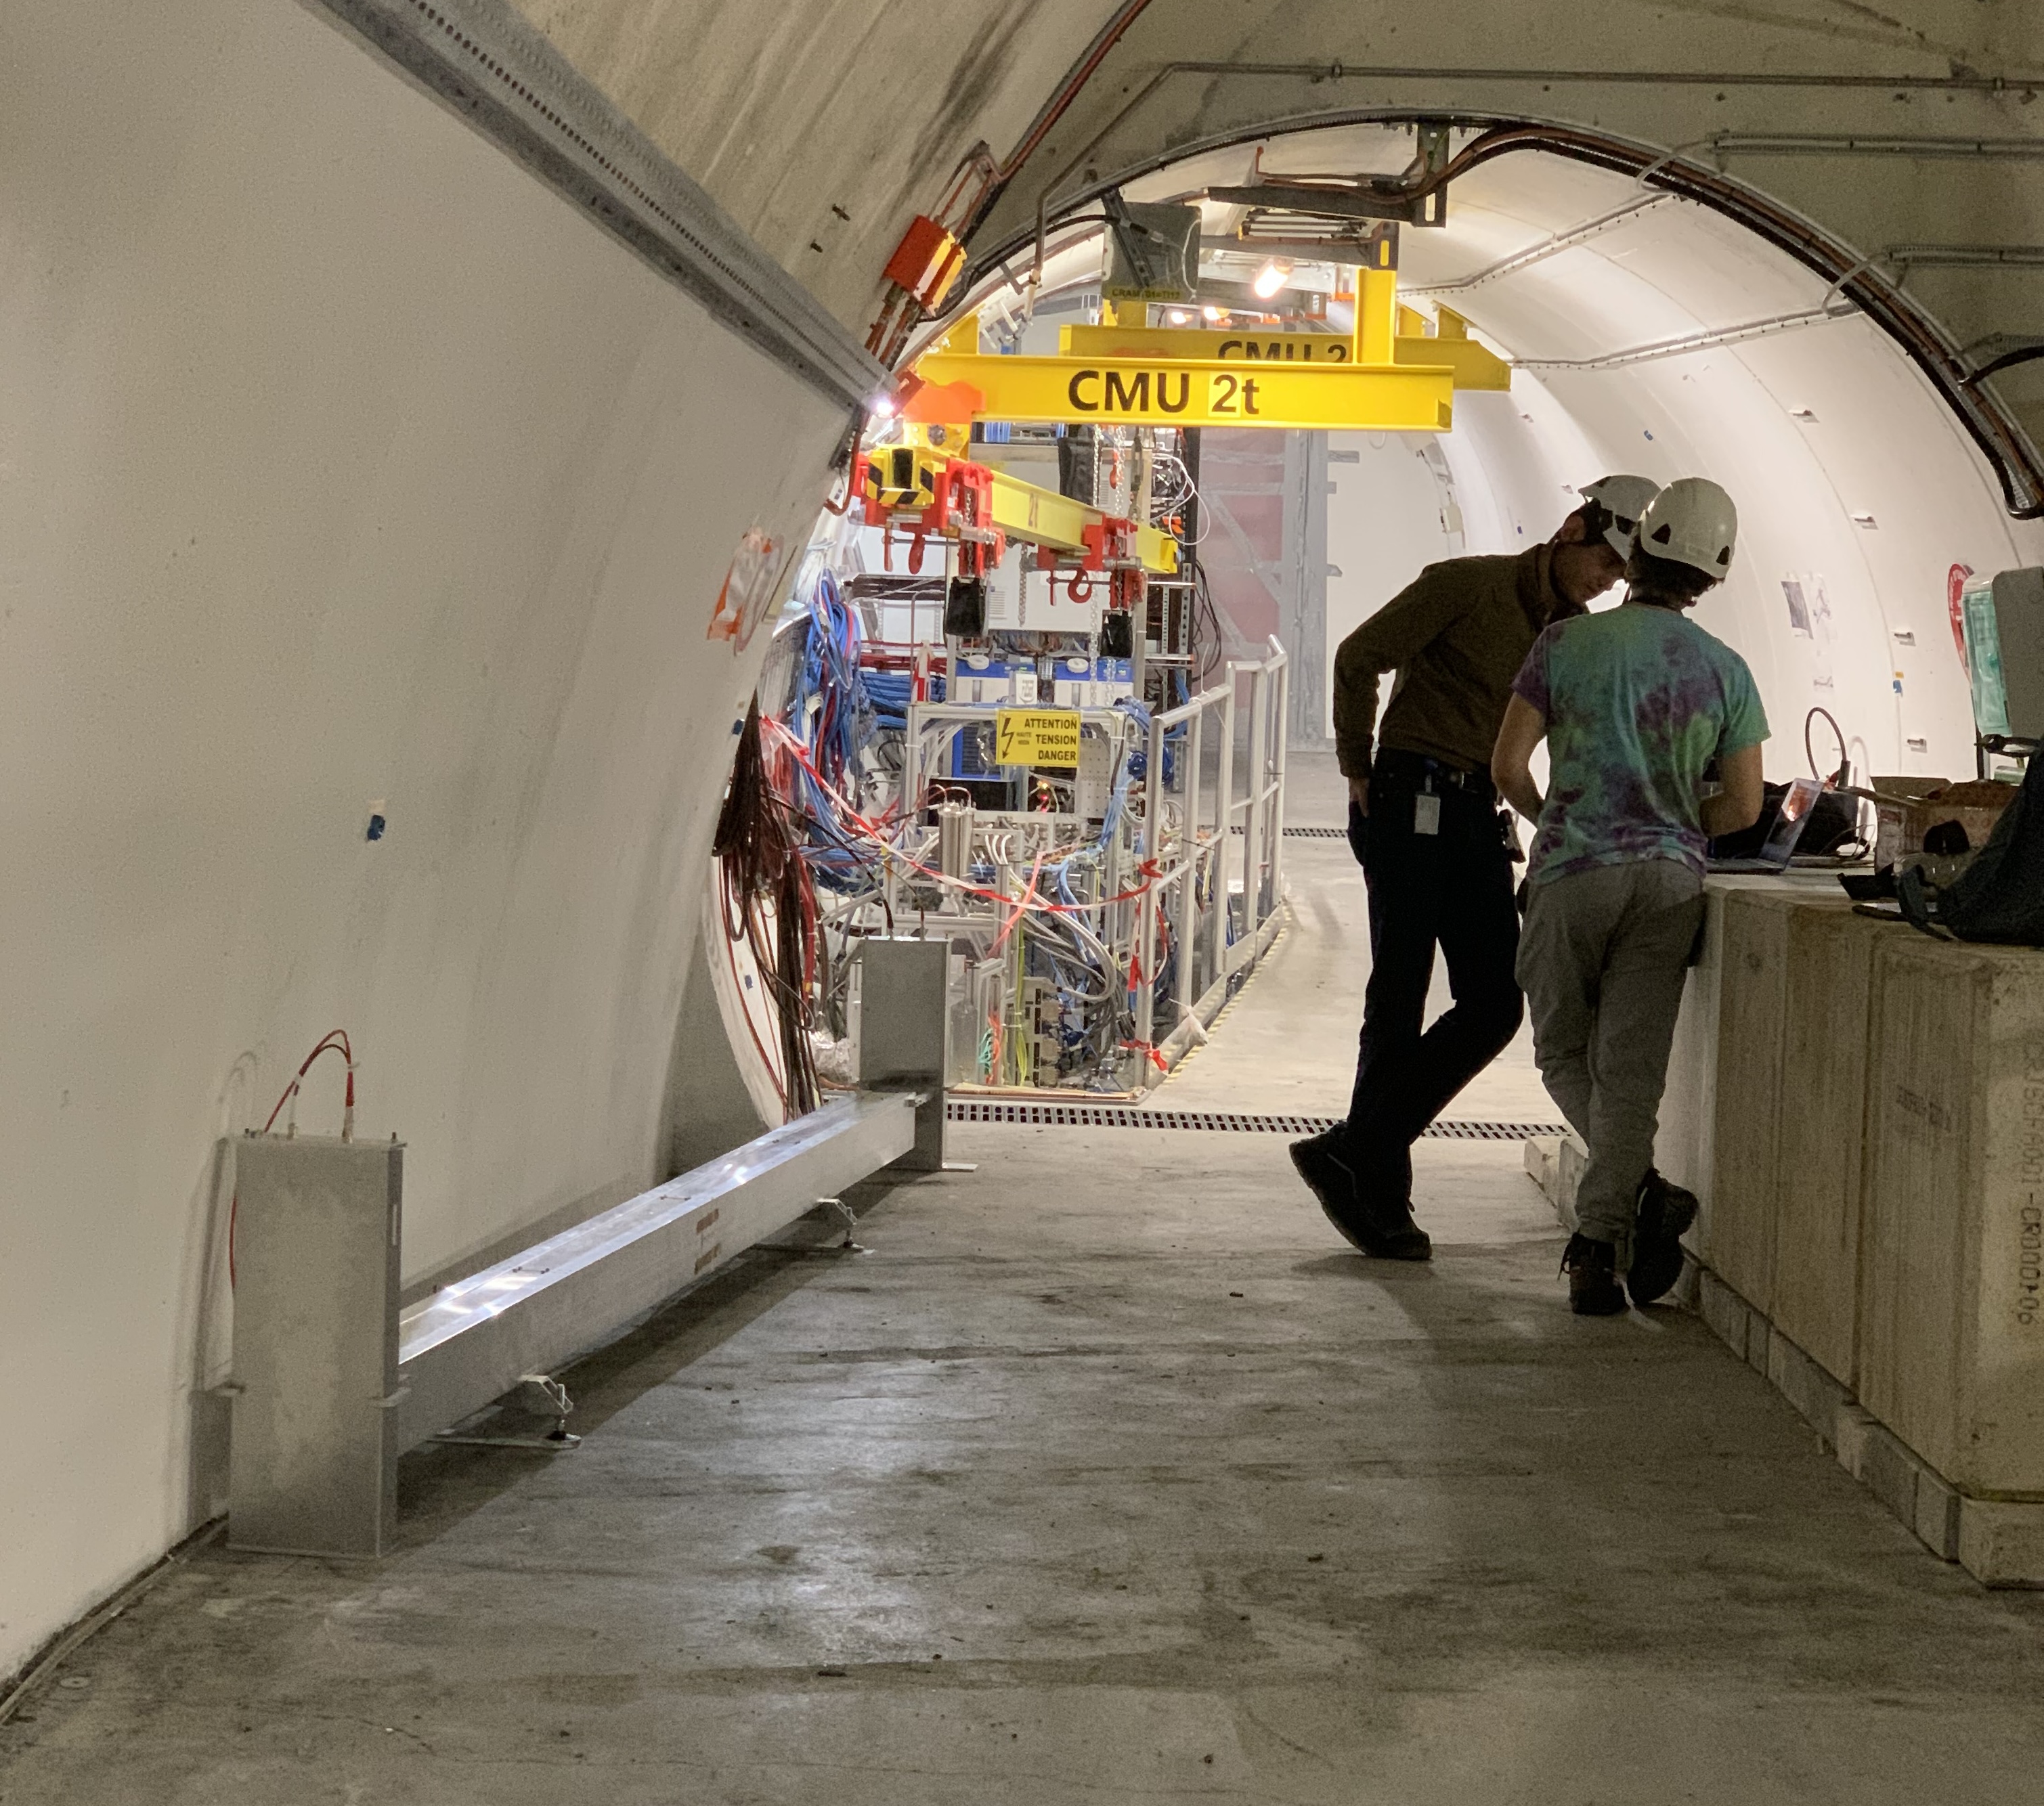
x=1474, y=367
x=1041, y=517
x=1161, y=391
x=902, y=480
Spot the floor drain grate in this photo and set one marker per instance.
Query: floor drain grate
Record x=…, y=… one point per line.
x=1302, y=834
x=1106, y=1116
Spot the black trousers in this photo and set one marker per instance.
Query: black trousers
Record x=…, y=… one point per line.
x=1452, y=890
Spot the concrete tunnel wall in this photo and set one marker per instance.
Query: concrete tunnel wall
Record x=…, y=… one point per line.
x=341, y=463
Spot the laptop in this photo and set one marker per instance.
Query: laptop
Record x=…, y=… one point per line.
x=1789, y=823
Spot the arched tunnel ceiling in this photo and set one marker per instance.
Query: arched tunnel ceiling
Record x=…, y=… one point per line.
x=1651, y=271
x=1906, y=141
x=1908, y=136
x=1669, y=340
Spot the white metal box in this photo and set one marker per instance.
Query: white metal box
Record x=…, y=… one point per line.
x=904, y=1030
x=317, y=1236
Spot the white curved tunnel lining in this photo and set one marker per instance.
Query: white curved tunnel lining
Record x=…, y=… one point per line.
x=1855, y=484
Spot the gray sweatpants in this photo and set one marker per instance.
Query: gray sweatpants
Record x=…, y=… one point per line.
x=1602, y=963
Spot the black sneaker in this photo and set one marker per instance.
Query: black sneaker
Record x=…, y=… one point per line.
x=1378, y=1227
x=1662, y=1214
x=1592, y=1270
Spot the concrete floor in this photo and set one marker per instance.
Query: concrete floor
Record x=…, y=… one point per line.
x=1106, y=1473
x=1288, y=1045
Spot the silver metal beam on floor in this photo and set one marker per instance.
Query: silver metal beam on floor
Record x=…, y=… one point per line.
x=332, y=1383
x=471, y=1342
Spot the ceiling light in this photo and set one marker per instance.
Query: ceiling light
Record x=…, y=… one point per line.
x=1213, y=314
x=1178, y=316
x=1270, y=278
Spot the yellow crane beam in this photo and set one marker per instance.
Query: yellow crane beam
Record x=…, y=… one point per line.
x=1042, y=517
x=1474, y=367
x=1162, y=392
x=902, y=483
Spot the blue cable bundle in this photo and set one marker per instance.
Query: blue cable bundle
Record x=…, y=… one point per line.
x=891, y=692
x=833, y=713
x=843, y=720
x=1138, y=759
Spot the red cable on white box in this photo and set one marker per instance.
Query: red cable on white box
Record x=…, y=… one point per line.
x=334, y=1040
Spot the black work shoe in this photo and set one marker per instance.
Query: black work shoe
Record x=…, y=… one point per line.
x=1592, y=1270
x=1663, y=1213
x=1380, y=1228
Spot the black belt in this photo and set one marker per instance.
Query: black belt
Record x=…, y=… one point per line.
x=1419, y=768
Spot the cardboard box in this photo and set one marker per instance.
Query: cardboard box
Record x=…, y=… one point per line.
x=1902, y=822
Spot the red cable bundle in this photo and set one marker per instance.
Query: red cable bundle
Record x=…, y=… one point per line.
x=761, y=865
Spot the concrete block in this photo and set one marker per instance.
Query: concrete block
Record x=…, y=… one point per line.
x=1951, y=1353
x=1759, y=1338
x=1684, y=1289
x=2001, y=1543
x=1542, y=1154
x=1937, y=1518
x=1821, y=1155
x=1814, y=1393
x=1570, y=1161
x=1852, y=1428
x=1888, y=1471
x=1900, y=1478
x=1752, y=1016
x=1723, y=1309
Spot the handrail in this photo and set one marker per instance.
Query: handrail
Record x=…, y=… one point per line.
x=1195, y=848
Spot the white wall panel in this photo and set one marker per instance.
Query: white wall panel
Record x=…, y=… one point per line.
x=1816, y=432
x=1385, y=525
x=339, y=462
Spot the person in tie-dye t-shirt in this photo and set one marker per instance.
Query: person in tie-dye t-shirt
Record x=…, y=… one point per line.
x=1636, y=705
x=1639, y=702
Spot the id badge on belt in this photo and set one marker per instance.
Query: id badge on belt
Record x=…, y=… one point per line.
x=1426, y=813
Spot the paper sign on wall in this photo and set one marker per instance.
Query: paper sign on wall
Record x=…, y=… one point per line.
x=750, y=586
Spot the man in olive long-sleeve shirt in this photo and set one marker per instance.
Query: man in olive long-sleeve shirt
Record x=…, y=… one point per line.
x=1425, y=826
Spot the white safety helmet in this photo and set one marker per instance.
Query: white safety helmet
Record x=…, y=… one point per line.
x=1692, y=522
x=1623, y=499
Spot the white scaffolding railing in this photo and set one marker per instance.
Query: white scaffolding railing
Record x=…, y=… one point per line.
x=1202, y=850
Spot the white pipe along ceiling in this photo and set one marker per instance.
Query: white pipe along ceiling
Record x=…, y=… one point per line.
x=385, y=389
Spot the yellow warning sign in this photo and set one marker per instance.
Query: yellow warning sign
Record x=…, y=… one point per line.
x=1036, y=737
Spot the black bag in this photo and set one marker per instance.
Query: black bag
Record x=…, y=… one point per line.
x=1833, y=824
x=2000, y=897
x=964, y=607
